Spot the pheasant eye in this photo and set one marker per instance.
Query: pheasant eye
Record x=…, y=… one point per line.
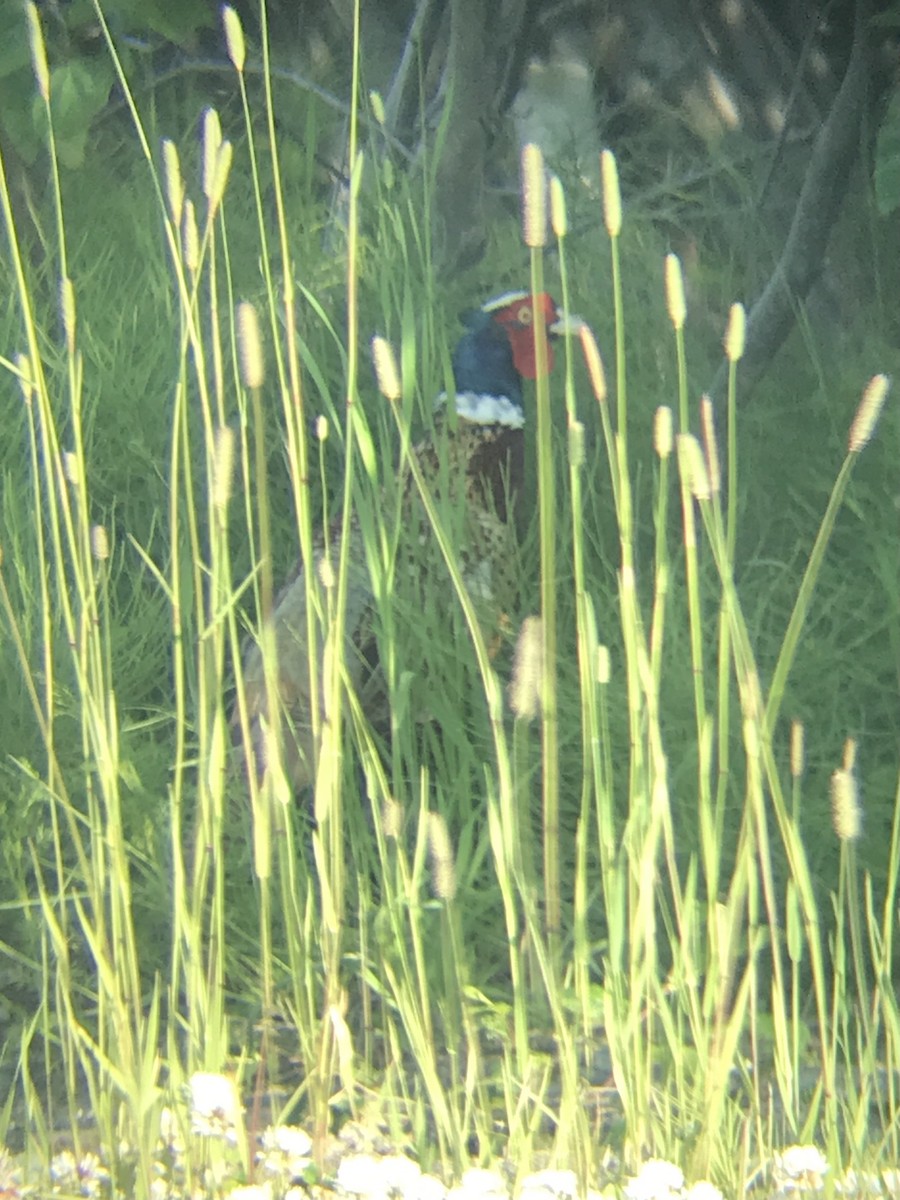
x=524, y=315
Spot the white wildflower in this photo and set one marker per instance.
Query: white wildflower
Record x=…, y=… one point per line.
x=702, y=1190
x=86, y=1177
x=63, y=1168
x=480, y=1184
x=429, y=1187
x=891, y=1179
x=379, y=1178
x=11, y=1179
x=170, y=1132
x=544, y=1185
x=286, y=1151
x=859, y=1183
x=400, y=1175
x=799, y=1168
x=252, y=1191
x=656, y=1180
x=214, y=1105
x=356, y=1173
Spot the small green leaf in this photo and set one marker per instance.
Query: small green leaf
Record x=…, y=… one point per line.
x=79, y=90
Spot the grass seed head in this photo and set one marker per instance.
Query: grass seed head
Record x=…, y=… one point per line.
x=250, y=346
x=220, y=177
x=392, y=818
x=612, y=197
x=234, y=38
x=525, y=687
x=442, y=865
x=662, y=431
x=223, y=466
x=190, y=238
x=173, y=179
x=591, y=352
x=710, y=445
x=99, y=542
x=211, y=142
x=849, y=754
x=867, y=414
x=377, y=105
x=797, y=749
x=846, y=811
x=26, y=377
x=735, y=333
x=534, y=196
x=385, y=368
x=693, y=466
x=675, y=302
x=559, y=221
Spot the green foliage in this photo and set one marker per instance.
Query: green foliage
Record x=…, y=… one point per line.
x=712, y=946
x=887, y=159
x=81, y=73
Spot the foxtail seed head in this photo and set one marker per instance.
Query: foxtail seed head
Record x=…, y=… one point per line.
x=846, y=812
x=797, y=749
x=385, y=368
x=612, y=197
x=594, y=363
x=849, y=754
x=559, y=221
x=223, y=467
x=377, y=106
x=693, y=467
x=525, y=688
x=442, y=865
x=867, y=414
x=220, y=178
x=234, y=38
x=26, y=377
x=392, y=818
x=173, y=180
x=662, y=431
x=250, y=346
x=211, y=141
x=534, y=196
x=327, y=576
x=190, y=238
x=675, y=301
x=99, y=542
x=708, y=425
x=735, y=333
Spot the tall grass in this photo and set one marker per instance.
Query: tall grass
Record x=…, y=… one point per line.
x=442, y=936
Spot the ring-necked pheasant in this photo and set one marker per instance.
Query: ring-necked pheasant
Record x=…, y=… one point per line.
x=480, y=460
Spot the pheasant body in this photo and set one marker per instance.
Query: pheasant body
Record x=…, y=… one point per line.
x=474, y=465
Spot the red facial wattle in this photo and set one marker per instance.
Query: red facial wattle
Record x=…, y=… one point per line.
x=518, y=320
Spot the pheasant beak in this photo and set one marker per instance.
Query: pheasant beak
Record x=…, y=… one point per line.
x=566, y=324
